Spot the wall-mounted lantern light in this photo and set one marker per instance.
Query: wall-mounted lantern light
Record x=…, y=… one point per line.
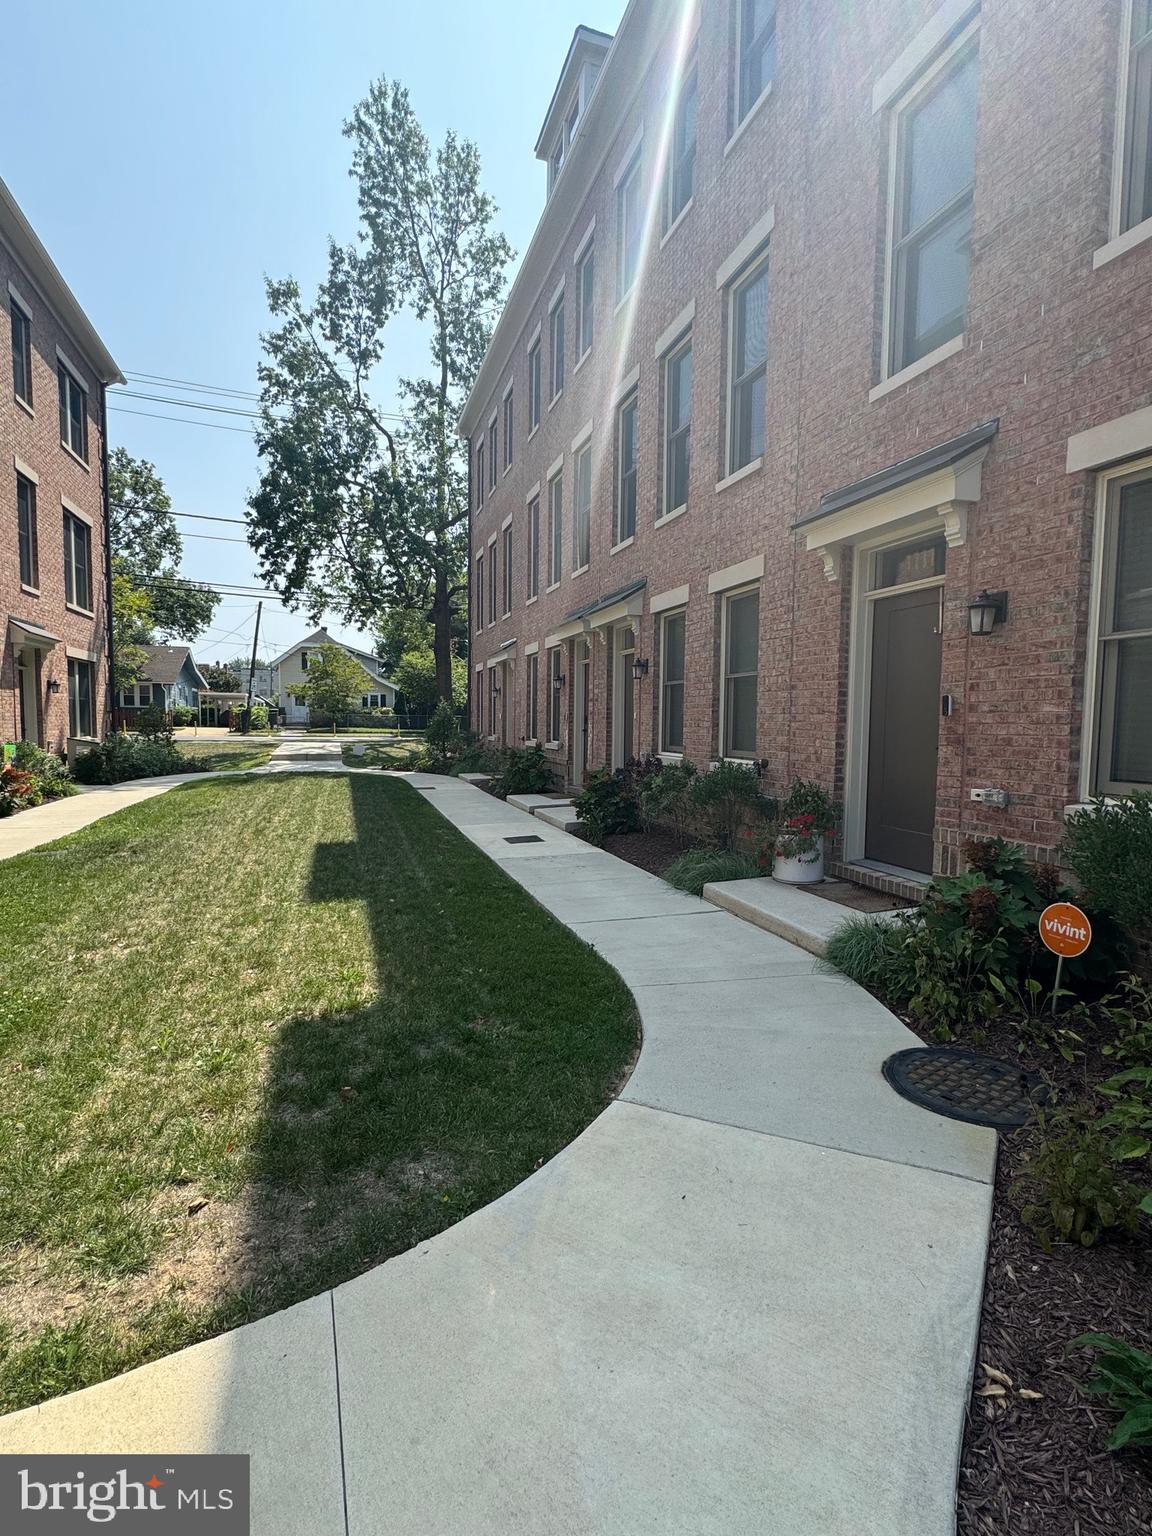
x=640, y=667
x=559, y=683
x=54, y=685
x=986, y=610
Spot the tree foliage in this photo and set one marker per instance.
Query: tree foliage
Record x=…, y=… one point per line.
x=220, y=677
x=334, y=683
x=146, y=549
x=132, y=630
x=352, y=514
x=415, y=677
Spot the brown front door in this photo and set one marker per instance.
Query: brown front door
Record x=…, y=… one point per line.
x=903, y=729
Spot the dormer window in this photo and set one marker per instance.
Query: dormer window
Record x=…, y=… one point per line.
x=565, y=137
x=570, y=100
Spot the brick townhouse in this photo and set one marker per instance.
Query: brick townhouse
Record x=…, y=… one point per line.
x=54, y=684
x=817, y=429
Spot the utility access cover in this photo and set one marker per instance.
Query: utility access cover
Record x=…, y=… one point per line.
x=529, y=837
x=966, y=1086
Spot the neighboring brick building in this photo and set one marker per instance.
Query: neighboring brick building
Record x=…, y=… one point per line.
x=847, y=314
x=54, y=684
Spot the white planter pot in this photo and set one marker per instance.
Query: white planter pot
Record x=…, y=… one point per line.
x=806, y=869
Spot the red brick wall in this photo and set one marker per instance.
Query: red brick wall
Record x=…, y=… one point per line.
x=1051, y=348
x=35, y=439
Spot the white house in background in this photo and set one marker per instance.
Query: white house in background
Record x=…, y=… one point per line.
x=263, y=681
x=292, y=668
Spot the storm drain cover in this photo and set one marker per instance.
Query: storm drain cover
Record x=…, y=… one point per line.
x=529, y=837
x=966, y=1086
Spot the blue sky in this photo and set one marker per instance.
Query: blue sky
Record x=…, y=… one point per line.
x=181, y=152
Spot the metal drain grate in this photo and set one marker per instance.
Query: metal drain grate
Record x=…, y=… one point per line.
x=966, y=1086
x=529, y=837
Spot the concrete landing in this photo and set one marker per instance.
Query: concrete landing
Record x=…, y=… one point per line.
x=532, y=803
x=787, y=910
x=563, y=817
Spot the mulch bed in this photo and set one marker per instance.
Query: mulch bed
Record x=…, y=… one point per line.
x=1041, y=1467
x=653, y=851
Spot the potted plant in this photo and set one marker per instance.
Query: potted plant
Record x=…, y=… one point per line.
x=807, y=815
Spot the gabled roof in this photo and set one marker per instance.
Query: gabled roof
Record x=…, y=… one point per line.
x=166, y=662
x=17, y=233
x=587, y=43
x=322, y=637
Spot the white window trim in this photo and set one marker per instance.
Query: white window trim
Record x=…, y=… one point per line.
x=914, y=85
x=743, y=271
x=584, y=242
x=677, y=221
x=745, y=469
x=25, y=469
x=627, y=384
x=670, y=517
x=632, y=163
x=754, y=106
x=726, y=596
x=532, y=494
x=1092, y=668
x=666, y=360
x=507, y=523
x=744, y=574
x=532, y=649
x=896, y=381
x=672, y=611
x=623, y=544
x=578, y=441
x=21, y=302
x=508, y=387
x=675, y=597
x=77, y=373
x=631, y=154
x=70, y=506
x=901, y=73
x=749, y=117
x=557, y=296
x=1122, y=438
x=672, y=334
x=747, y=252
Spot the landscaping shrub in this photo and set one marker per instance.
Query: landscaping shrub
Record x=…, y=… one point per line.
x=1077, y=1193
x=153, y=724
x=48, y=769
x=608, y=803
x=725, y=799
x=1125, y=1379
x=476, y=755
x=132, y=757
x=258, y=721
x=1109, y=850
x=663, y=797
x=18, y=790
x=524, y=771
x=183, y=714
x=806, y=816
x=445, y=737
x=699, y=867
x=876, y=955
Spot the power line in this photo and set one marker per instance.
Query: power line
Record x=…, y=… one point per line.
x=214, y=538
x=185, y=421
x=208, y=389
x=202, y=517
x=188, y=405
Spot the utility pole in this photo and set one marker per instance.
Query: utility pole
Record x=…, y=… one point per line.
x=252, y=669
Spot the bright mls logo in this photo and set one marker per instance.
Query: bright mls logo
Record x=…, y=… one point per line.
x=149, y=1495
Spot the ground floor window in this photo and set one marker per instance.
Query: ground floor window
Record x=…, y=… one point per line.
x=532, y=697
x=1124, y=737
x=137, y=697
x=555, y=683
x=672, y=683
x=740, y=652
x=81, y=697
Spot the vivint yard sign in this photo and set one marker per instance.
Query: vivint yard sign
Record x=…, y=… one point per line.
x=1067, y=933
x=145, y=1495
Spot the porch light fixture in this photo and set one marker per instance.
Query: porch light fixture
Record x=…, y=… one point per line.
x=640, y=667
x=559, y=682
x=54, y=685
x=986, y=610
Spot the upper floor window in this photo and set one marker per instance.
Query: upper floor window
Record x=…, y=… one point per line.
x=677, y=426
x=26, y=533
x=509, y=420
x=740, y=649
x=629, y=227
x=556, y=331
x=533, y=589
x=480, y=474
x=506, y=552
x=493, y=451
x=682, y=150
x=756, y=52
x=534, y=385
x=1137, y=201
x=626, y=458
x=77, y=562
x=21, y=354
x=478, y=595
x=73, y=414
x=1124, y=735
x=582, y=509
x=585, y=297
x=555, y=528
x=933, y=175
x=748, y=367
x=493, y=582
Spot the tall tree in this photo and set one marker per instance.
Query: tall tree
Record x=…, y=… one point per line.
x=220, y=677
x=146, y=549
x=352, y=515
x=334, y=683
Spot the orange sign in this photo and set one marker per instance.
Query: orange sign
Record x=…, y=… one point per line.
x=1065, y=929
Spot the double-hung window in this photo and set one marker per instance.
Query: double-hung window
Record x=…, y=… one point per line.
x=26, y=533
x=672, y=682
x=493, y=451
x=627, y=417
x=478, y=602
x=1137, y=159
x=582, y=509
x=21, y=354
x=748, y=367
x=493, y=582
x=629, y=227
x=77, y=563
x=73, y=413
x=740, y=649
x=556, y=333
x=534, y=386
x=509, y=431
x=933, y=169
x=555, y=528
x=756, y=47
x=585, y=300
x=506, y=554
x=1124, y=735
x=533, y=548
x=682, y=149
x=677, y=426
x=480, y=475
x=555, y=684
x=532, y=696
x=81, y=697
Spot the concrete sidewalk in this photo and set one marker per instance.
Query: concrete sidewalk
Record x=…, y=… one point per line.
x=745, y=1299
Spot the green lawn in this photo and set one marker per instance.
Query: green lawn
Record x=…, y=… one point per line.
x=257, y=1035
x=400, y=754
x=243, y=753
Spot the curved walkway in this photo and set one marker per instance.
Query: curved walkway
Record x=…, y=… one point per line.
x=745, y=1299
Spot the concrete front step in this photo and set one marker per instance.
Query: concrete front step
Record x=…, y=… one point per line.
x=562, y=816
x=788, y=910
x=479, y=779
x=532, y=803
